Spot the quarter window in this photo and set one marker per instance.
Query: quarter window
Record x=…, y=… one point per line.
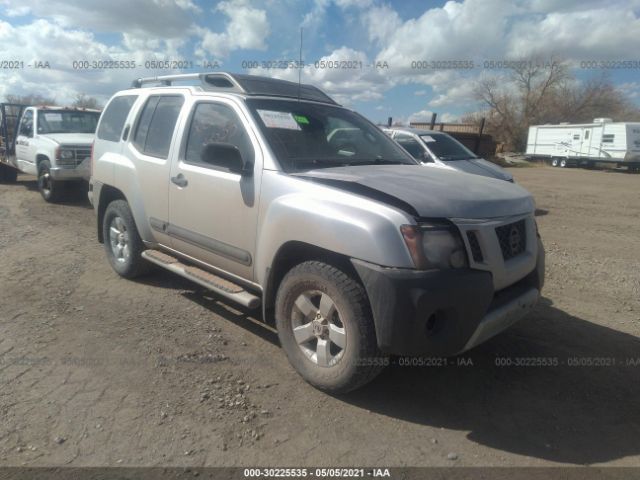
x=156, y=125
x=215, y=123
x=113, y=118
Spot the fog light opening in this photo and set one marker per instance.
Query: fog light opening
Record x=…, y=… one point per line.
x=434, y=323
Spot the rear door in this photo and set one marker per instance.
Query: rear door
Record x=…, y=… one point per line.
x=151, y=147
x=212, y=211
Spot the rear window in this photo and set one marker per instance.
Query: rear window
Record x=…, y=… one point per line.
x=114, y=116
x=156, y=125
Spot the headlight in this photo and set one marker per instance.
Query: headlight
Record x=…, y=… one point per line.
x=66, y=154
x=434, y=245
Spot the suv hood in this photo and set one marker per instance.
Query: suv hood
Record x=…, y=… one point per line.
x=70, y=138
x=429, y=192
x=479, y=166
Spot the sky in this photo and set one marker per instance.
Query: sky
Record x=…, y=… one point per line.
x=401, y=59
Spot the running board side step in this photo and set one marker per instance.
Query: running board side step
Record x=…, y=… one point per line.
x=216, y=284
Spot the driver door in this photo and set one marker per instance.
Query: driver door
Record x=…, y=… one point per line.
x=212, y=211
x=25, y=144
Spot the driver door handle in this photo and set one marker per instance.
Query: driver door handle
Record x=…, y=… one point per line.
x=180, y=180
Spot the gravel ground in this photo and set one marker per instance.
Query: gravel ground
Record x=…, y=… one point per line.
x=97, y=370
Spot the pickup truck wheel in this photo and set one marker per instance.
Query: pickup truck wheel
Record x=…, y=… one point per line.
x=50, y=190
x=325, y=326
x=122, y=242
x=8, y=174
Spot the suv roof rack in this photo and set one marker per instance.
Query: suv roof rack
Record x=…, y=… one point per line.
x=244, y=84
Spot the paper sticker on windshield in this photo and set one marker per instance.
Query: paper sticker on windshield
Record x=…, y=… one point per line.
x=301, y=119
x=427, y=138
x=278, y=120
x=53, y=117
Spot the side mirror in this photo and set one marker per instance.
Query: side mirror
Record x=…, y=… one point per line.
x=227, y=156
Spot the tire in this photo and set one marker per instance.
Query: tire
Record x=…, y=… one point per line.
x=8, y=174
x=554, y=162
x=563, y=163
x=122, y=242
x=50, y=190
x=355, y=360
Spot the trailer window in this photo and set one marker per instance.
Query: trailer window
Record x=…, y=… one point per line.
x=608, y=138
x=586, y=135
x=576, y=137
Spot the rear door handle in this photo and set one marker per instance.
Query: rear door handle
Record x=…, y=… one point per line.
x=180, y=180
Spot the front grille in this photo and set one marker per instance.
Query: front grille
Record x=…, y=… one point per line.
x=512, y=238
x=80, y=152
x=476, y=251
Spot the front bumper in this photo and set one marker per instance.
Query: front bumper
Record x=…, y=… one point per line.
x=444, y=312
x=81, y=172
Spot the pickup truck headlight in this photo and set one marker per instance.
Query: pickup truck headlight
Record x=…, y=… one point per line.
x=65, y=154
x=435, y=246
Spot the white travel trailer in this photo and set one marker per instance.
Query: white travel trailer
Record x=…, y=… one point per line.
x=586, y=144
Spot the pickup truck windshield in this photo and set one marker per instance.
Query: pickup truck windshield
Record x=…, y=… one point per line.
x=307, y=136
x=67, y=121
x=447, y=148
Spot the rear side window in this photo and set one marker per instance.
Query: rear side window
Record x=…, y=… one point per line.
x=156, y=125
x=114, y=117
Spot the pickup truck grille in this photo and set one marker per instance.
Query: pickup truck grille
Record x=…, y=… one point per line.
x=512, y=238
x=80, y=152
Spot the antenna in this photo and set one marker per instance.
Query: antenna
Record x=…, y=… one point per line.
x=300, y=66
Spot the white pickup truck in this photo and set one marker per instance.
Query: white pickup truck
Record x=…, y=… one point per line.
x=53, y=143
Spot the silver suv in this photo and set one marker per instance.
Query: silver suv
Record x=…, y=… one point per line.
x=273, y=196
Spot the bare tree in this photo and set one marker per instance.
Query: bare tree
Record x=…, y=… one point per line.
x=30, y=99
x=543, y=91
x=521, y=99
x=84, y=101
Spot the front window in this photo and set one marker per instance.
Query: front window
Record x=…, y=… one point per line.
x=306, y=136
x=411, y=145
x=446, y=148
x=67, y=121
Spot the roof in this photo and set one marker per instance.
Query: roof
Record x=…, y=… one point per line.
x=571, y=125
x=247, y=85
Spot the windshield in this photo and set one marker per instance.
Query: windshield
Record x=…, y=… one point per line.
x=307, y=136
x=447, y=148
x=67, y=121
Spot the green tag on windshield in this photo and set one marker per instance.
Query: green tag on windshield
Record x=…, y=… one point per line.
x=301, y=119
